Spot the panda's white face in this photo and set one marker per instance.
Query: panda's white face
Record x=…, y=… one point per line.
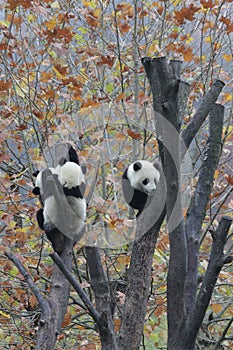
x=70, y=175
x=143, y=176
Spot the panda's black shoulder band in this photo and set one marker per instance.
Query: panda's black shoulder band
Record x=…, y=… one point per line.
x=35, y=173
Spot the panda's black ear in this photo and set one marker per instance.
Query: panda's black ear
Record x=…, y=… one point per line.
x=35, y=173
x=137, y=166
x=157, y=166
x=73, y=157
x=36, y=191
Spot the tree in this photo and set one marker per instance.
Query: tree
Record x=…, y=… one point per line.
x=72, y=71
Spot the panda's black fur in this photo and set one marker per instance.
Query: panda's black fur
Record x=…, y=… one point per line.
x=68, y=177
x=139, y=182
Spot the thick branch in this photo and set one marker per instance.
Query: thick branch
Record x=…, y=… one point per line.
x=102, y=298
x=83, y=296
x=52, y=318
x=137, y=293
x=197, y=209
x=202, y=112
x=216, y=262
x=164, y=80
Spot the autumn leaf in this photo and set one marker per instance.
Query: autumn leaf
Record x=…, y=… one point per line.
x=108, y=59
x=134, y=135
x=124, y=27
x=51, y=24
x=229, y=179
x=117, y=324
x=5, y=85
x=227, y=57
x=67, y=320
x=120, y=96
x=188, y=54
x=142, y=98
x=22, y=127
x=228, y=23
x=92, y=18
x=186, y=13
x=207, y=4
x=38, y=114
x=13, y=4
x=216, y=308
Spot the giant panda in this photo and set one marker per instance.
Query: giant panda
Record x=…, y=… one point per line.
x=139, y=182
x=66, y=216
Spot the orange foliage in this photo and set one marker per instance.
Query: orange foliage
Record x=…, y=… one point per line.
x=186, y=13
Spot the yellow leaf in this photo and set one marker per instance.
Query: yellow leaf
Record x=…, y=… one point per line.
x=189, y=39
x=216, y=174
x=228, y=97
x=51, y=24
x=153, y=48
x=208, y=39
x=31, y=18
x=176, y=2
x=227, y=57
x=4, y=315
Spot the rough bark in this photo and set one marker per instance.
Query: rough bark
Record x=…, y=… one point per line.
x=51, y=318
x=202, y=112
x=54, y=308
x=101, y=291
x=216, y=262
x=197, y=209
x=164, y=78
x=185, y=309
x=137, y=293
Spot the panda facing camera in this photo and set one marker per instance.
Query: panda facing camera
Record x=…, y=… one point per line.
x=139, y=183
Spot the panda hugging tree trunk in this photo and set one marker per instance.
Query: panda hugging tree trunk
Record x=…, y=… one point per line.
x=61, y=191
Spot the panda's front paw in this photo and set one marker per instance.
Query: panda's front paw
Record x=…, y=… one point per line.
x=48, y=227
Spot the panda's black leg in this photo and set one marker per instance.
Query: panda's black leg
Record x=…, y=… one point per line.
x=40, y=218
x=56, y=238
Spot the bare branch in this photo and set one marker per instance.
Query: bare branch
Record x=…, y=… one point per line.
x=216, y=262
x=211, y=97
x=35, y=290
x=197, y=209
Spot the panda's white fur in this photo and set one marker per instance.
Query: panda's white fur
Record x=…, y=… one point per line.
x=139, y=183
x=70, y=174
x=72, y=179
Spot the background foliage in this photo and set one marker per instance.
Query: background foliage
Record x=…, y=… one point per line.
x=71, y=70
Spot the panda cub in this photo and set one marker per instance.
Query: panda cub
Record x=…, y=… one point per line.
x=139, y=182
x=63, y=213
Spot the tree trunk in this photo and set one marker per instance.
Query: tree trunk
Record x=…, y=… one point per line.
x=53, y=315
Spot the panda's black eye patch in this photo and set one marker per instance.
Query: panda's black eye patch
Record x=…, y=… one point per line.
x=145, y=181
